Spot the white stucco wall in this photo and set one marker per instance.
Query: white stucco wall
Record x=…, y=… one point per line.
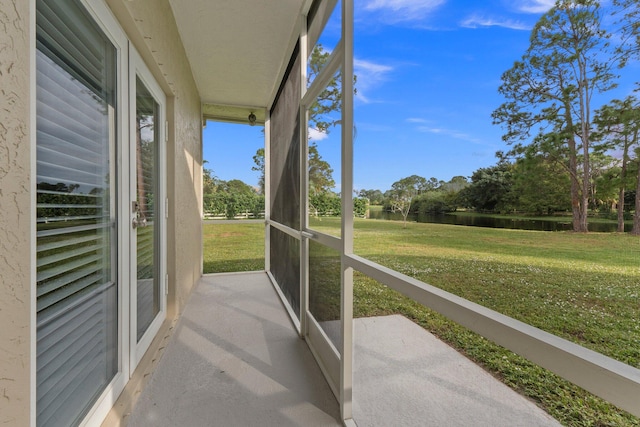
x=15, y=212
x=150, y=25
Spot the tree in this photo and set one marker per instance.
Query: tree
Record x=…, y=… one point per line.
x=636, y=214
x=455, y=184
x=434, y=202
x=628, y=12
x=258, y=159
x=402, y=193
x=415, y=183
x=330, y=99
x=601, y=186
x=619, y=129
x=328, y=102
x=541, y=183
x=550, y=90
x=490, y=188
x=236, y=186
x=320, y=172
x=209, y=181
x=452, y=191
x=230, y=198
x=606, y=184
x=375, y=197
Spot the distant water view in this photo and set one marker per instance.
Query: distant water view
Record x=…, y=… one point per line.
x=479, y=220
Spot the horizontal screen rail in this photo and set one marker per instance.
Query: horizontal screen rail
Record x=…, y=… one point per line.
x=287, y=230
x=603, y=376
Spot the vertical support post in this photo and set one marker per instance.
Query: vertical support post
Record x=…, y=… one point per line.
x=267, y=191
x=28, y=12
x=304, y=179
x=346, y=365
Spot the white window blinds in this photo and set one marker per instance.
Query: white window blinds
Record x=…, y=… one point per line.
x=77, y=316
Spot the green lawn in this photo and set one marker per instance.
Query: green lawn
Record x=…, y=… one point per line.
x=583, y=287
x=229, y=247
x=566, y=217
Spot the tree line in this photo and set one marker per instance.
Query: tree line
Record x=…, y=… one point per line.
x=566, y=155
x=234, y=198
x=549, y=113
x=229, y=198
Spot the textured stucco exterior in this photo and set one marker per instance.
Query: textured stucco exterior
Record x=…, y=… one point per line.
x=150, y=26
x=15, y=212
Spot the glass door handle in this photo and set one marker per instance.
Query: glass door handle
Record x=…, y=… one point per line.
x=139, y=220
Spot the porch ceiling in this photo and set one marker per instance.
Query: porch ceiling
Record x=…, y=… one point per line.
x=238, y=49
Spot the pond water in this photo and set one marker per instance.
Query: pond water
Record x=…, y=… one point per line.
x=479, y=220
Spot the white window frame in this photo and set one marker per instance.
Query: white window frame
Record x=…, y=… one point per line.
x=107, y=22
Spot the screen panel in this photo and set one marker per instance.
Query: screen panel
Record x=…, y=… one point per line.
x=324, y=160
x=284, y=180
x=285, y=149
x=324, y=290
x=285, y=268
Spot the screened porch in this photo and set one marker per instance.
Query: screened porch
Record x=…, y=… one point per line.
x=109, y=318
x=235, y=358
x=281, y=347
x=309, y=270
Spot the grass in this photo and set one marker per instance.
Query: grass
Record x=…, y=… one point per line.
x=230, y=246
x=564, y=217
x=583, y=287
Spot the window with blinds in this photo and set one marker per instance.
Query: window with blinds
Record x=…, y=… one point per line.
x=77, y=309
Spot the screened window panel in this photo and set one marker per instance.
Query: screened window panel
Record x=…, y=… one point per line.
x=325, y=153
x=286, y=267
x=324, y=290
x=285, y=149
x=77, y=317
x=285, y=183
x=324, y=33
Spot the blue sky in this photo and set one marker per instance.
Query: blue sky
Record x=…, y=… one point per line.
x=428, y=73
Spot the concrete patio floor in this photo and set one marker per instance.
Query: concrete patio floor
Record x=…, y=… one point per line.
x=236, y=360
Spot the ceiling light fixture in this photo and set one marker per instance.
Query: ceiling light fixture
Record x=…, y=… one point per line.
x=252, y=119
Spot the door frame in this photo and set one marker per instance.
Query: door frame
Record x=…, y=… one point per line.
x=138, y=69
x=337, y=366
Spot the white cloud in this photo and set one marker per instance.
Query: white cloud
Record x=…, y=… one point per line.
x=416, y=120
x=371, y=68
x=403, y=10
x=316, y=135
x=449, y=132
x=370, y=75
x=476, y=21
x=534, y=6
